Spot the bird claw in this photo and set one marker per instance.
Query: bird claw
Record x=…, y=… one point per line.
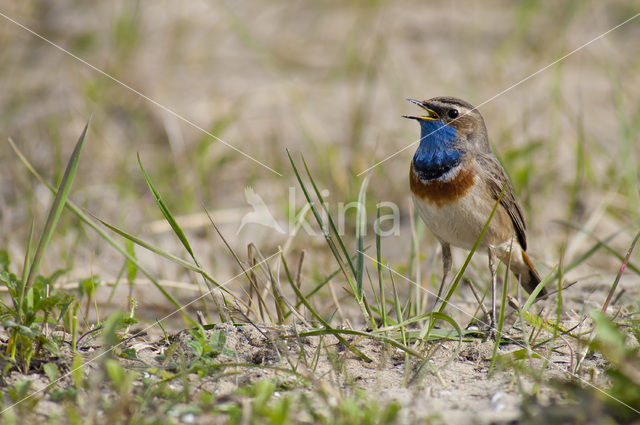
x=492, y=333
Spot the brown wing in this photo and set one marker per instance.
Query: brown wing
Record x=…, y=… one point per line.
x=496, y=178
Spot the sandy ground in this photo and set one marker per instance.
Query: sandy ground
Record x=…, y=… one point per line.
x=329, y=81
x=454, y=386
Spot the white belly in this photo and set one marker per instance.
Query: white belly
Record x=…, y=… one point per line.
x=458, y=223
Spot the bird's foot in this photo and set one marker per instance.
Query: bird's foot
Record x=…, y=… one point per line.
x=492, y=333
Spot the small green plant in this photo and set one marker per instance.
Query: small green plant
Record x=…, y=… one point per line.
x=268, y=404
x=624, y=364
x=19, y=393
x=613, y=400
x=29, y=325
x=207, y=350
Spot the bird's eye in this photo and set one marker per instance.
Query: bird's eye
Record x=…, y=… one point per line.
x=453, y=113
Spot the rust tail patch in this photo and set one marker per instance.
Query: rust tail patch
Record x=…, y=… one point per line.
x=530, y=282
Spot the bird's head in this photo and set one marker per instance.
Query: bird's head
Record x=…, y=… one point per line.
x=452, y=123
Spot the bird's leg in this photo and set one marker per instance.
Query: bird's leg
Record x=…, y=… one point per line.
x=446, y=268
x=493, y=266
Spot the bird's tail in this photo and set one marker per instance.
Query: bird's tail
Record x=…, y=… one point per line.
x=528, y=276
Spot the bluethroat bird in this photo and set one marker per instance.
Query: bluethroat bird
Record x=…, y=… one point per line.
x=456, y=181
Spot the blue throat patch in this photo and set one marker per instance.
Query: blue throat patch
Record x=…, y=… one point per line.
x=436, y=154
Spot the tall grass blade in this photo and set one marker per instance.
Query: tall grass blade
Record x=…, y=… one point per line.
x=321, y=319
x=28, y=256
x=332, y=224
x=248, y=273
x=149, y=246
x=88, y=221
x=168, y=256
x=362, y=334
x=602, y=242
x=361, y=229
x=460, y=273
x=503, y=307
x=320, y=285
x=588, y=253
x=167, y=214
x=176, y=229
x=383, y=300
x=536, y=291
x=327, y=235
x=54, y=212
x=316, y=214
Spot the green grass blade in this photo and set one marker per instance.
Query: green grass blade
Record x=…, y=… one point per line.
x=28, y=255
x=536, y=291
x=361, y=228
x=357, y=275
x=332, y=224
x=503, y=307
x=165, y=254
x=316, y=214
x=398, y=308
x=362, y=334
x=262, y=306
x=176, y=227
x=430, y=315
x=55, y=211
x=383, y=300
x=320, y=285
x=470, y=255
x=603, y=243
x=88, y=221
x=588, y=253
x=149, y=246
x=546, y=324
x=167, y=214
x=327, y=235
x=321, y=319
x=460, y=273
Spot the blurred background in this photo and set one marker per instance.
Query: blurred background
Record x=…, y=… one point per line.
x=326, y=79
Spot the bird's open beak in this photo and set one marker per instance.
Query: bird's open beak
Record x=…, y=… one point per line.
x=431, y=115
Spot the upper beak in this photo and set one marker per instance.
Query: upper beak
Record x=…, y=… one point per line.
x=431, y=114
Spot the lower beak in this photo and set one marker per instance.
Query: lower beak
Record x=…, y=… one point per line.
x=431, y=114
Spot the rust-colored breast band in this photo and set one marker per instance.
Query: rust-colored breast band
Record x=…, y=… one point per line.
x=440, y=192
